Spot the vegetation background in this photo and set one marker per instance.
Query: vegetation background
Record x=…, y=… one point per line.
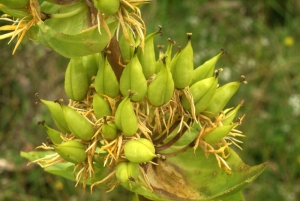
x=262, y=38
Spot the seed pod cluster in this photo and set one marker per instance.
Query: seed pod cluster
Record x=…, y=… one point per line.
x=137, y=118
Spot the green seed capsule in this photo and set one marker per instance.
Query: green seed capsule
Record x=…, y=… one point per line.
x=182, y=68
x=126, y=171
x=90, y=63
x=147, y=57
x=132, y=79
x=101, y=106
x=110, y=131
x=15, y=4
x=206, y=70
x=127, y=47
x=221, y=98
x=71, y=151
x=76, y=80
x=229, y=117
x=106, y=81
x=53, y=134
x=202, y=92
x=56, y=113
x=79, y=126
x=161, y=89
x=217, y=134
x=139, y=151
x=159, y=63
x=108, y=7
x=125, y=118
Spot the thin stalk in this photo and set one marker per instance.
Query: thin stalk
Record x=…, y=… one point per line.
x=173, y=141
x=164, y=136
x=175, y=153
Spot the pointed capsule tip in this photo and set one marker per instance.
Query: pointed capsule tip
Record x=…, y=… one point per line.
x=189, y=36
x=160, y=30
x=243, y=80
x=242, y=102
x=224, y=51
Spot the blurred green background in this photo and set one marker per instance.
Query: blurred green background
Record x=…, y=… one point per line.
x=262, y=39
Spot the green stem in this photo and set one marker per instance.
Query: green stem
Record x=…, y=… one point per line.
x=174, y=139
x=63, y=15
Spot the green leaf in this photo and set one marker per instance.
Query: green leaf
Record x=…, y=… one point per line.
x=191, y=176
x=69, y=30
x=236, y=197
x=66, y=169
x=61, y=169
x=87, y=42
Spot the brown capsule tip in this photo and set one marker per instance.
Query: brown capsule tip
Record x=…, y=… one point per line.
x=41, y=122
x=171, y=41
x=135, y=50
x=189, y=35
x=160, y=30
x=217, y=72
x=179, y=48
x=243, y=80
x=131, y=93
x=242, y=102
x=37, y=98
x=224, y=51
x=163, y=59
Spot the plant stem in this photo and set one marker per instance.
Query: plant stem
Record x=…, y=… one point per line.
x=115, y=57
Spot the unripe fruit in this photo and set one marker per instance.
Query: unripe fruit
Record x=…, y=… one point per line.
x=57, y=114
x=106, y=81
x=147, y=57
x=90, y=63
x=206, y=70
x=139, y=151
x=76, y=80
x=125, y=118
x=132, y=79
x=161, y=89
x=126, y=171
x=217, y=134
x=159, y=63
x=108, y=7
x=202, y=92
x=169, y=51
x=53, y=134
x=229, y=116
x=71, y=151
x=109, y=131
x=221, y=97
x=127, y=47
x=100, y=106
x=182, y=69
x=79, y=126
